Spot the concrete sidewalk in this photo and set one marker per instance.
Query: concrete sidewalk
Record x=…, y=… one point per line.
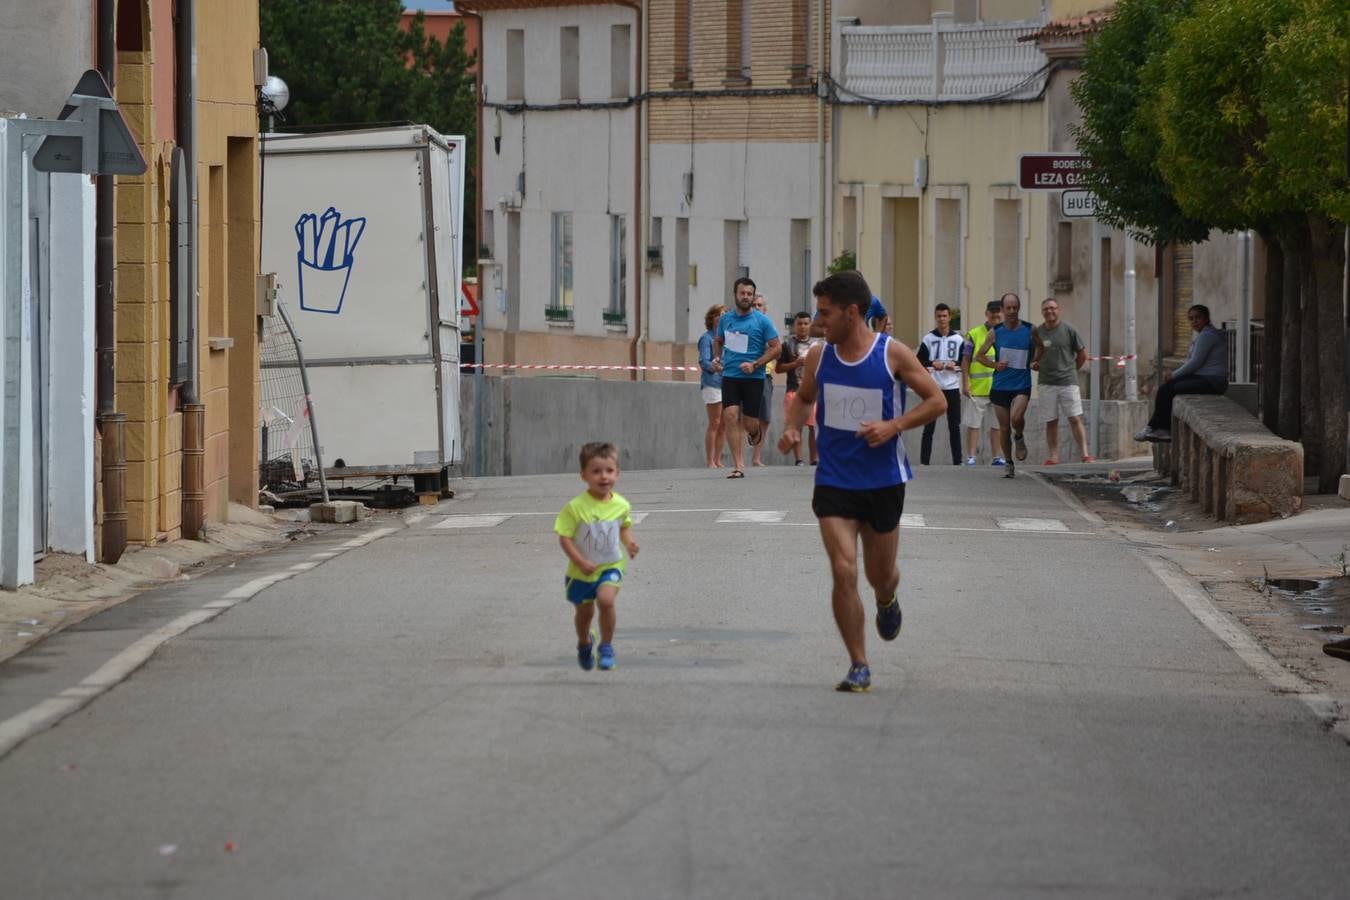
x=1241, y=567
x=69, y=590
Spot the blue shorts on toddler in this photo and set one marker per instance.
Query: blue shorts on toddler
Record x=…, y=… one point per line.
x=580, y=591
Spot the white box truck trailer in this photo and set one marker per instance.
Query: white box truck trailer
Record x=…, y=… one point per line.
x=364, y=232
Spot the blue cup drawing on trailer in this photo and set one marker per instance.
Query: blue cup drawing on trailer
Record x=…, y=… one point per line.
x=324, y=261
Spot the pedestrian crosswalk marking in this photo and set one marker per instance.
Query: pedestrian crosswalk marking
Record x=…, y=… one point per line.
x=470, y=521
x=913, y=520
x=1028, y=524
x=751, y=516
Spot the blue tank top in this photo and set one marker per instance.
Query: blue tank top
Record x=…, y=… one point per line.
x=849, y=393
x=1014, y=346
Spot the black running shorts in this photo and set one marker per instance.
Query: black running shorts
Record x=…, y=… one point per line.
x=1005, y=398
x=877, y=507
x=747, y=393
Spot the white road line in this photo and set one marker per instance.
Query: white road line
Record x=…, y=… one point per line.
x=1267, y=667
x=751, y=516
x=912, y=520
x=324, y=554
x=370, y=537
x=302, y=566
x=637, y=517
x=414, y=519
x=470, y=521
x=925, y=529
x=249, y=588
x=1018, y=523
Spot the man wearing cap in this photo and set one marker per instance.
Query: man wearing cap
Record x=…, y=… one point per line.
x=976, y=380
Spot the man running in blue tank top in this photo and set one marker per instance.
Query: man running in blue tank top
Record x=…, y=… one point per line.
x=855, y=382
x=1011, y=392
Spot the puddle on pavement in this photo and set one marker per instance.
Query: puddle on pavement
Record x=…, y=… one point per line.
x=1144, y=493
x=1322, y=604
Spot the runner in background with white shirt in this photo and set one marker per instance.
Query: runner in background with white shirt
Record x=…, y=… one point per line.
x=940, y=351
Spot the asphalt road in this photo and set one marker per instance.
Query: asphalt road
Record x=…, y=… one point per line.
x=406, y=719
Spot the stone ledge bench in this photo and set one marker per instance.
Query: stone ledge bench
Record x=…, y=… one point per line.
x=1230, y=463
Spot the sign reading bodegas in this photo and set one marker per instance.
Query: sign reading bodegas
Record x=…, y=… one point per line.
x=1051, y=171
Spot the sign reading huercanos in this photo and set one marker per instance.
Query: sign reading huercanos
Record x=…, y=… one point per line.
x=1051, y=171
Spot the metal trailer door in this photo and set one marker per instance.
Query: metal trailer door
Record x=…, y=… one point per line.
x=445, y=202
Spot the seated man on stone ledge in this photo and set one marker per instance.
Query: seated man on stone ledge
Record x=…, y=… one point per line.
x=1204, y=372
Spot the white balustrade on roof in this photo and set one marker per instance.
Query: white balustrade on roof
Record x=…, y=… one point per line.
x=942, y=62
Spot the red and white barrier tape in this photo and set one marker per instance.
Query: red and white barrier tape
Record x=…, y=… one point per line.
x=1120, y=360
x=589, y=368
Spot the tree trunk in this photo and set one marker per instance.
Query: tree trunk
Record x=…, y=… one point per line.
x=1310, y=394
x=1271, y=359
x=1291, y=338
x=1328, y=267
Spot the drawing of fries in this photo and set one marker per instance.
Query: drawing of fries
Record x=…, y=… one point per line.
x=324, y=260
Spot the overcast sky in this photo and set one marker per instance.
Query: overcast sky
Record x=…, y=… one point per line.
x=428, y=4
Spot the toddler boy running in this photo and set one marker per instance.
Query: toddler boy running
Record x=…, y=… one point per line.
x=594, y=529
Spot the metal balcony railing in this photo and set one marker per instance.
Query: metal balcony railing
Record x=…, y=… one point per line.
x=942, y=62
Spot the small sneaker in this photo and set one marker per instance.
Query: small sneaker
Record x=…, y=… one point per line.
x=857, y=681
x=1051, y=462
x=1087, y=457
x=1010, y=471
x=799, y=463
x=888, y=619
x=1161, y=436
x=971, y=461
x=606, y=657
x=585, y=656
x=1021, y=447
x=999, y=462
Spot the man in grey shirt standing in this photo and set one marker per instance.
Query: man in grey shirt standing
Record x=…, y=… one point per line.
x=1204, y=372
x=1059, y=354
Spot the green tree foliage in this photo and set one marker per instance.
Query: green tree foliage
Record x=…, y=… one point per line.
x=1208, y=114
x=348, y=63
x=1231, y=114
x=1303, y=100
x=1117, y=93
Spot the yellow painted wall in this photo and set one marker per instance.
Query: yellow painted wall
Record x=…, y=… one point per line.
x=972, y=155
x=227, y=254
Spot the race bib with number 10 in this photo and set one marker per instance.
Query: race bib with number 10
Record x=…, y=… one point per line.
x=846, y=408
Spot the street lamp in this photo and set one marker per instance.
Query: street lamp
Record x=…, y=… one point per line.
x=273, y=97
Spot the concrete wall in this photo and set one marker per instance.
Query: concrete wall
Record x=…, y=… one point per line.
x=536, y=426
x=71, y=400
x=45, y=45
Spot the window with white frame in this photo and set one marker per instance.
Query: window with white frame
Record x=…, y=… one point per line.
x=515, y=64
x=620, y=52
x=560, y=301
x=618, y=268
x=947, y=261
x=569, y=78
x=1007, y=247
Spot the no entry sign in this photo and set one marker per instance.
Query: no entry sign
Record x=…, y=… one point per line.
x=1051, y=171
